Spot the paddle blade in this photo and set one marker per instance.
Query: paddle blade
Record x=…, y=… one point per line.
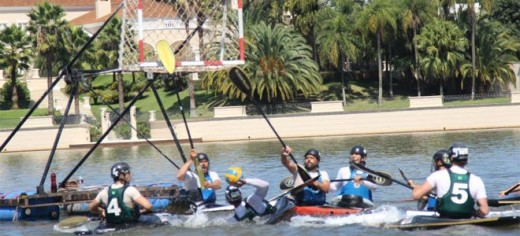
x=287, y=183
x=73, y=222
x=381, y=178
x=166, y=55
x=240, y=80
x=202, y=180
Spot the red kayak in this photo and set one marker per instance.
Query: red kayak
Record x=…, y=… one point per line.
x=324, y=210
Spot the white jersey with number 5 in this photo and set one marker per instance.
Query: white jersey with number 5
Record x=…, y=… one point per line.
x=440, y=180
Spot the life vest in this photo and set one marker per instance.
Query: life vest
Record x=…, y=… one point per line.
x=311, y=197
x=116, y=211
x=208, y=195
x=352, y=188
x=457, y=202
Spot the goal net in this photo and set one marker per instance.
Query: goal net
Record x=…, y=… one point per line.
x=205, y=35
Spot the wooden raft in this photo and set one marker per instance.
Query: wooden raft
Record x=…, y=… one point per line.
x=64, y=197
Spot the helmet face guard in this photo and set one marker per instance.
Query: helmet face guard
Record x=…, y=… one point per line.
x=203, y=156
x=233, y=195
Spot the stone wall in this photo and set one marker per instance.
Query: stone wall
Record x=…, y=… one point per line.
x=315, y=125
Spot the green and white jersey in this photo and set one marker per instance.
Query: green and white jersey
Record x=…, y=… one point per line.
x=458, y=191
x=118, y=202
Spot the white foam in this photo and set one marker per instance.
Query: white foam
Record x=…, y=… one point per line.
x=376, y=218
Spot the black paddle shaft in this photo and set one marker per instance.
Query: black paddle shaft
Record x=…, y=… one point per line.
x=242, y=82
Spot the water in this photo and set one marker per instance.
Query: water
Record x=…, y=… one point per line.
x=493, y=156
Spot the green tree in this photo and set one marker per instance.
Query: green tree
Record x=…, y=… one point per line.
x=15, y=54
x=107, y=54
x=47, y=26
x=304, y=20
x=279, y=64
x=442, y=47
x=336, y=36
x=496, y=51
x=472, y=15
x=414, y=13
x=508, y=13
x=377, y=17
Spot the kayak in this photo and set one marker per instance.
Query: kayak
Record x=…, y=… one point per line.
x=81, y=225
x=324, y=210
x=426, y=220
x=503, y=201
x=351, y=201
x=434, y=222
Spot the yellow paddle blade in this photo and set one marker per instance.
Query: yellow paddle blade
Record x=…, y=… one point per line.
x=73, y=222
x=166, y=55
x=200, y=173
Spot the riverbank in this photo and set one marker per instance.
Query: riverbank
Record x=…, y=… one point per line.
x=342, y=123
x=299, y=125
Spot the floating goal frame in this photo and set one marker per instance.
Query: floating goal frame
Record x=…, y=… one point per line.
x=145, y=22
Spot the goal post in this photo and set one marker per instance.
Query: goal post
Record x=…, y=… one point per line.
x=205, y=35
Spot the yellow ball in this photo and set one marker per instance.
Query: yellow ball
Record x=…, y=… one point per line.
x=233, y=175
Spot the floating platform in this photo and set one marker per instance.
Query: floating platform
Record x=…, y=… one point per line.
x=32, y=206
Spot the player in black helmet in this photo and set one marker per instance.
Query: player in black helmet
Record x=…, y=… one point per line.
x=191, y=180
x=119, y=203
x=458, y=190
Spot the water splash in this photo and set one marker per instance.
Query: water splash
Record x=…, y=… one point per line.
x=375, y=218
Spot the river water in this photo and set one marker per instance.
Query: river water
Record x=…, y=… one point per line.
x=494, y=156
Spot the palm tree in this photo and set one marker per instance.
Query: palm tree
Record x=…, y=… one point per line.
x=486, y=6
x=46, y=25
x=75, y=41
x=415, y=12
x=376, y=18
x=279, y=64
x=442, y=48
x=107, y=54
x=336, y=38
x=445, y=6
x=496, y=51
x=15, y=54
x=304, y=19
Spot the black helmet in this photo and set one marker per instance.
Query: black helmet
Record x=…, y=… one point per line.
x=443, y=156
x=314, y=153
x=202, y=156
x=233, y=195
x=358, y=150
x=459, y=151
x=119, y=168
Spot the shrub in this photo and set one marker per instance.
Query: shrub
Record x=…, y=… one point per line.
x=24, y=98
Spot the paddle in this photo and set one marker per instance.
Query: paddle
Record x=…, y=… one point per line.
x=243, y=83
x=74, y=224
x=167, y=58
x=509, y=190
x=383, y=177
x=293, y=190
x=513, y=199
x=421, y=202
x=287, y=183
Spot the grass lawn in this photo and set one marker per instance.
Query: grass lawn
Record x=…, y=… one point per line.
x=11, y=118
x=362, y=96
